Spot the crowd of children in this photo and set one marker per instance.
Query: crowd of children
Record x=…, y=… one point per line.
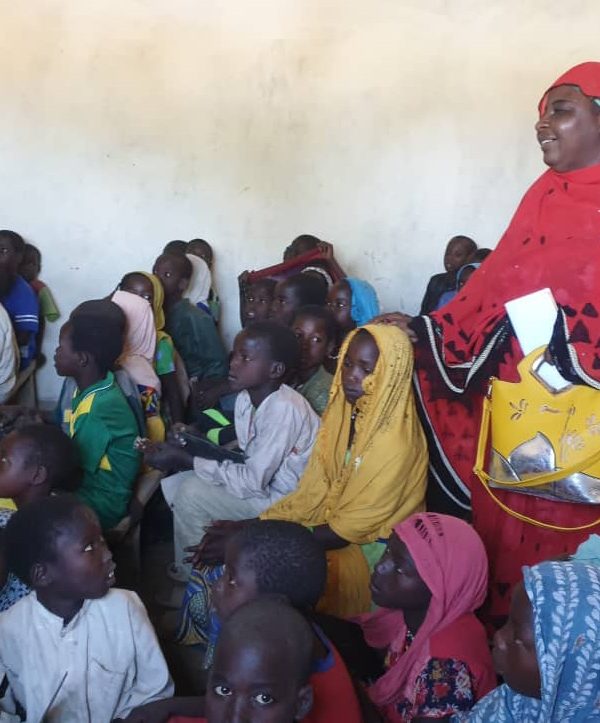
x=295, y=467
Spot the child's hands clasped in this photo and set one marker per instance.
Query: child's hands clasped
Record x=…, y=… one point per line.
x=211, y=549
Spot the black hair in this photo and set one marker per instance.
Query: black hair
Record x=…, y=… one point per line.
x=275, y=625
x=15, y=239
x=200, y=242
x=33, y=250
x=32, y=532
x=322, y=313
x=286, y=559
x=308, y=288
x=305, y=242
x=267, y=283
x=98, y=328
x=51, y=448
x=282, y=342
x=134, y=275
x=183, y=264
x=481, y=254
x=175, y=247
x=467, y=241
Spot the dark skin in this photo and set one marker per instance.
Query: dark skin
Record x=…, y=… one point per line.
x=514, y=653
x=140, y=285
x=339, y=302
x=22, y=479
x=80, y=365
x=360, y=361
x=285, y=303
x=173, y=277
x=81, y=567
x=10, y=261
x=458, y=253
x=315, y=345
x=251, y=368
x=202, y=249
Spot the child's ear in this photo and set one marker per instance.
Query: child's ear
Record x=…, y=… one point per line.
x=278, y=370
x=83, y=358
x=40, y=475
x=304, y=702
x=40, y=576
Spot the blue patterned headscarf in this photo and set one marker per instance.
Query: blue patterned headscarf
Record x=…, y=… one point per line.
x=365, y=304
x=565, y=597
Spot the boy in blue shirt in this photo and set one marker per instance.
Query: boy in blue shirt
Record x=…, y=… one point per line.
x=17, y=296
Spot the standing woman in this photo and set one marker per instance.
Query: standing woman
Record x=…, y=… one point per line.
x=552, y=241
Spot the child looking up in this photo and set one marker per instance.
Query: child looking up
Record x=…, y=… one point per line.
x=149, y=287
x=276, y=429
x=74, y=650
x=137, y=357
x=428, y=585
x=35, y=460
x=368, y=469
x=548, y=651
x=316, y=331
x=258, y=298
x=17, y=297
x=100, y=419
x=299, y=290
x=192, y=330
x=459, y=251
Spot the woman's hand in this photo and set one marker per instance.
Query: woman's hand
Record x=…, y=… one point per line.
x=211, y=550
x=167, y=457
x=402, y=321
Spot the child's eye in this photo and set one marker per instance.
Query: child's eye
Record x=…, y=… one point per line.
x=222, y=690
x=89, y=547
x=263, y=698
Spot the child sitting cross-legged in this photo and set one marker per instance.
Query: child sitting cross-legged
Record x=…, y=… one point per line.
x=35, y=460
x=73, y=650
x=99, y=418
x=276, y=429
x=275, y=561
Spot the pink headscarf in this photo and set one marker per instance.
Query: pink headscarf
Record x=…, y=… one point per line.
x=137, y=357
x=451, y=561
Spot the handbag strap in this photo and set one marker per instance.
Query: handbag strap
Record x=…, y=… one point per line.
x=542, y=479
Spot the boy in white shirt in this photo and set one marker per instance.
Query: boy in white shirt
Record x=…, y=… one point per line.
x=275, y=426
x=73, y=650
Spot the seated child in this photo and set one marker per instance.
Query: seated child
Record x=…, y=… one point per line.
x=261, y=670
x=30, y=268
x=17, y=297
x=9, y=356
x=363, y=476
x=137, y=357
x=192, y=330
x=175, y=247
x=74, y=650
x=462, y=276
x=548, y=652
x=428, y=584
x=257, y=301
x=35, y=460
x=276, y=429
x=299, y=290
x=201, y=248
x=300, y=245
x=353, y=302
x=268, y=559
x=459, y=251
x=149, y=287
x=99, y=417
x=316, y=330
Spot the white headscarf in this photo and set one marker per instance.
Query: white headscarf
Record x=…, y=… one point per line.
x=199, y=287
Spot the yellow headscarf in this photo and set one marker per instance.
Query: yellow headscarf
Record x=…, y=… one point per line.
x=157, y=305
x=384, y=480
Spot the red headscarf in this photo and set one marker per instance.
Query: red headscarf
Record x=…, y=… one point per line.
x=553, y=241
x=451, y=561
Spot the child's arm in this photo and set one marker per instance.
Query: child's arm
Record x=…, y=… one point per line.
x=162, y=710
x=172, y=397
x=152, y=681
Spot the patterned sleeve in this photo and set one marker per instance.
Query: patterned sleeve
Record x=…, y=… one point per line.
x=443, y=688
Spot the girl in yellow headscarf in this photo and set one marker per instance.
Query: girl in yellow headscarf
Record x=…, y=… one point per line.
x=149, y=287
x=367, y=472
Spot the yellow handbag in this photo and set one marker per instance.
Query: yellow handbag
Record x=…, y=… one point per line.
x=545, y=442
